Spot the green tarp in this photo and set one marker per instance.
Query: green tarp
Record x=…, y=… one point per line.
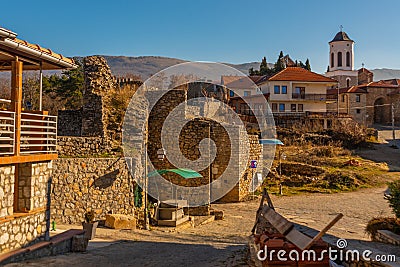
x=185, y=173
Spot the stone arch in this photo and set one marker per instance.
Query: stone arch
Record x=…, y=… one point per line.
x=381, y=110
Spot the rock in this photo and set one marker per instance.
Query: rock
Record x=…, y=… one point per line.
x=120, y=221
x=79, y=243
x=4, y=238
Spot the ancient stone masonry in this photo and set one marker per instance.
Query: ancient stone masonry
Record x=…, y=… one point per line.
x=241, y=149
x=69, y=122
x=100, y=184
x=82, y=146
x=98, y=82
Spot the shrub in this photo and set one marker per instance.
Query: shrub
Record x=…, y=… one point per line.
x=394, y=197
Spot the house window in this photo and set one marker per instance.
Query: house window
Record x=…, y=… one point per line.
x=343, y=98
x=277, y=89
x=339, y=59
x=358, y=111
x=332, y=60
x=284, y=89
x=348, y=82
x=231, y=93
x=274, y=107
x=358, y=98
x=348, y=59
x=281, y=107
x=293, y=107
x=247, y=93
x=299, y=93
x=300, y=107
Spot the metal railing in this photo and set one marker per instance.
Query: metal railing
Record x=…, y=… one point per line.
x=7, y=132
x=311, y=97
x=38, y=133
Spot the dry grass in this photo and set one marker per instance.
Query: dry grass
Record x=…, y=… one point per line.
x=341, y=170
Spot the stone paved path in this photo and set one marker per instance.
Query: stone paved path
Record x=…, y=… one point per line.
x=222, y=243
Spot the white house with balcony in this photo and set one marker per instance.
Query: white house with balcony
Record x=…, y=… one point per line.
x=297, y=91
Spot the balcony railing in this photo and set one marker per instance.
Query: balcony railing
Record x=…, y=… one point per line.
x=38, y=133
x=309, y=97
x=7, y=132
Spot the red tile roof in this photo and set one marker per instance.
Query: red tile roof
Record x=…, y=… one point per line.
x=300, y=75
x=353, y=89
x=379, y=84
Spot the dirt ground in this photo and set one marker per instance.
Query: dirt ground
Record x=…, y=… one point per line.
x=223, y=243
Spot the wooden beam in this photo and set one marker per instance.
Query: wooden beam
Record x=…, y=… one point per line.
x=16, y=101
x=27, y=158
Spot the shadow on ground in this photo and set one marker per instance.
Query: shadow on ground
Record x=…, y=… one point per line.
x=142, y=253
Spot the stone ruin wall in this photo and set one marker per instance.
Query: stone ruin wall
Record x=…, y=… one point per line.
x=190, y=136
x=103, y=185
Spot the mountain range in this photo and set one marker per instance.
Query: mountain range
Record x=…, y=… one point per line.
x=145, y=66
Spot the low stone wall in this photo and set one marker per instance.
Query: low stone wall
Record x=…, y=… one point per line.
x=68, y=146
x=100, y=184
x=22, y=231
x=387, y=237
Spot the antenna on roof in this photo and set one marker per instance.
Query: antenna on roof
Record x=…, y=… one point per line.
x=341, y=28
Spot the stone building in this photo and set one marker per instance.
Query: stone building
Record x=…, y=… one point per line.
x=357, y=94
x=27, y=147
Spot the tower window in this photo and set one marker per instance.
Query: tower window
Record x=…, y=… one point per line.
x=332, y=60
x=358, y=98
x=348, y=59
x=348, y=82
x=339, y=59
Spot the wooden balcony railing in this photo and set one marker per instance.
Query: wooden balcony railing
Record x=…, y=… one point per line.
x=38, y=133
x=7, y=132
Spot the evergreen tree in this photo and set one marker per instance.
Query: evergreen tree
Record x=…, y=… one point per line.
x=279, y=65
x=264, y=66
x=308, y=66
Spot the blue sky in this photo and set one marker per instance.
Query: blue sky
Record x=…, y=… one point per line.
x=223, y=31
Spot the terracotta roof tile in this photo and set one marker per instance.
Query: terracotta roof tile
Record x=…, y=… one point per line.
x=300, y=75
x=45, y=50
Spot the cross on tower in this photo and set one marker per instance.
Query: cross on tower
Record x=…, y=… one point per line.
x=341, y=28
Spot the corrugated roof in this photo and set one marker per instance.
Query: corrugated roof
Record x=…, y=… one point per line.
x=300, y=75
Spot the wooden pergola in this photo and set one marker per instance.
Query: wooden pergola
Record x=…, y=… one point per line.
x=27, y=136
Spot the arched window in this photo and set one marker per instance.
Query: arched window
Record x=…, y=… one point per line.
x=332, y=60
x=339, y=59
x=348, y=59
x=348, y=82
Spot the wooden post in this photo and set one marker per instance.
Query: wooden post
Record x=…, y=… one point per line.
x=16, y=101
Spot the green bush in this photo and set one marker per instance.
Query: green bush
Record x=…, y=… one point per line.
x=394, y=197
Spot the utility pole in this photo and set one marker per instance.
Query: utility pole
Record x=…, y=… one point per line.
x=393, y=127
